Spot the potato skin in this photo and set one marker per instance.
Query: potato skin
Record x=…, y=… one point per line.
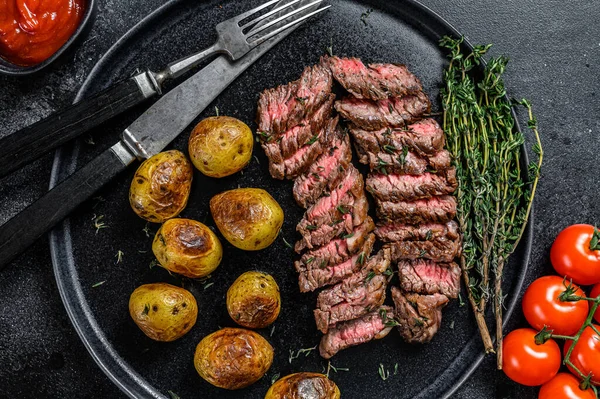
x=304, y=386
x=162, y=311
x=161, y=186
x=233, y=358
x=187, y=247
x=220, y=146
x=253, y=300
x=249, y=218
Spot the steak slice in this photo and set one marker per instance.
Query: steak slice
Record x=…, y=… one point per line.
x=325, y=173
x=392, y=112
x=429, y=210
x=278, y=148
x=419, y=316
x=426, y=137
x=311, y=279
x=395, y=187
x=440, y=249
x=428, y=277
x=355, y=332
x=343, y=199
x=396, y=231
x=354, y=296
x=393, y=160
x=377, y=82
x=337, y=250
x=323, y=234
x=285, y=106
x=304, y=157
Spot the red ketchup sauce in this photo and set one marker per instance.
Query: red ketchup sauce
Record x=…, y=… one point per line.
x=32, y=30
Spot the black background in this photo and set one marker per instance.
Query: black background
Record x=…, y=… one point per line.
x=553, y=47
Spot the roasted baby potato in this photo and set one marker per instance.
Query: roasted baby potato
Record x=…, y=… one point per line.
x=304, y=386
x=249, y=218
x=163, y=312
x=161, y=186
x=253, y=300
x=220, y=146
x=187, y=247
x=233, y=358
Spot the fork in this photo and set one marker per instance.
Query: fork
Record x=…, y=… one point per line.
x=236, y=37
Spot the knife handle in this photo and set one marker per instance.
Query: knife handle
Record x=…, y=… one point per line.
x=30, y=143
x=25, y=228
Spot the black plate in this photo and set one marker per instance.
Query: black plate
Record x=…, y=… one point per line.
x=398, y=32
x=8, y=68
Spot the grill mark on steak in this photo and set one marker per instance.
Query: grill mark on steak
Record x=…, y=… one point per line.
x=325, y=172
x=435, y=210
x=305, y=156
x=354, y=332
x=425, y=137
x=395, y=187
x=395, y=231
x=440, y=249
x=392, y=112
x=377, y=82
x=283, y=107
x=337, y=250
x=286, y=145
x=428, y=277
x=419, y=316
x=310, y=280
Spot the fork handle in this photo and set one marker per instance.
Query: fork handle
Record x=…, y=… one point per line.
x=30, y=143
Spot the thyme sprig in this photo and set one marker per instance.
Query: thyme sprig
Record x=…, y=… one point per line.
x=493, y=197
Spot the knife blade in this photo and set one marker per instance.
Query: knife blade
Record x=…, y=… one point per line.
x=163, y=121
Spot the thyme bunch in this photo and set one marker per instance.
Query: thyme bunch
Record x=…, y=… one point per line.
x=493, y=196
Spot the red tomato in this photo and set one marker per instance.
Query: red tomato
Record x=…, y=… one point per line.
x=586, y=354
x=542, y=307
x=526, y=362
x=576, y=254
x=595, y=292
x=564, y=386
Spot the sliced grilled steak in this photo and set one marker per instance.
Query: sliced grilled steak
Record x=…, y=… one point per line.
x=428, y=277
x=285, y=106
x=343, y=199
x=311, y=279
x=323, y=234
x=395, y=231
x=395, y=187
x=305, y=156
x=355, y=332
x=355, y=295
x=419, y=316
x=337, y=250
x=429, y=210
x=393, y=160
x=440, y=249
x=286, y=145
x=426, y=137
x=392, y=112
x=377, y=82
x=325, y=173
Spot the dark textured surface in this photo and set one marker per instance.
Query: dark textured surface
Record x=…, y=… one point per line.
x=553, y=62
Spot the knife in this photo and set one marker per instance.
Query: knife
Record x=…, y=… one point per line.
x=145, y=137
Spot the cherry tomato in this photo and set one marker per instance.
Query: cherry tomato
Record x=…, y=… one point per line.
x=542, y=307
x=564, y=386
x=576, y=254
x=526, y=362
x=586, y=354
x=595, y=292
